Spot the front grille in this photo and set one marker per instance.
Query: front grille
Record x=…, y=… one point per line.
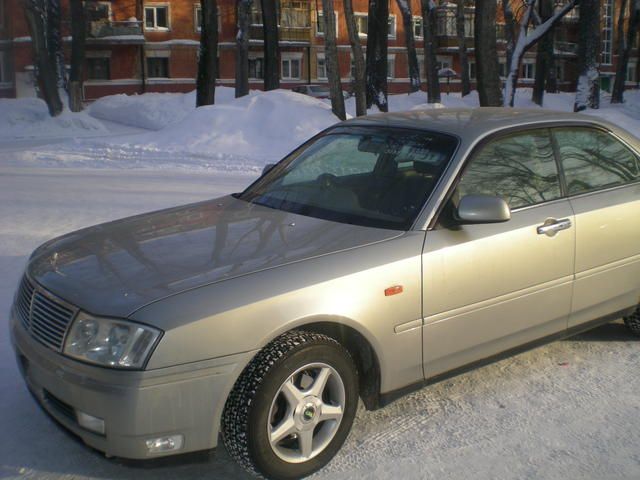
x=45, y=317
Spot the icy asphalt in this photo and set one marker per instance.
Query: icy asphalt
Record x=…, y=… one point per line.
x=570, y=410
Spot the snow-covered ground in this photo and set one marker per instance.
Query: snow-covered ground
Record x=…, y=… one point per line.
x=568, y=410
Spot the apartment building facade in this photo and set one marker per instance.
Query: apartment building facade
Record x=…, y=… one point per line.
x=136, y=46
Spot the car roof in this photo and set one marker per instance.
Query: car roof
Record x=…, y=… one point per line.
x=473, y=122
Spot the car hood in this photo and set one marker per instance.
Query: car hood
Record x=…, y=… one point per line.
x=116, y=268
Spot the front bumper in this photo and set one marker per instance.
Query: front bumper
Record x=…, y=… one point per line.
x=136, y=406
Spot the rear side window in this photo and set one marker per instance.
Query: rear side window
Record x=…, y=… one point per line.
x=593, y=159
x=520, y=168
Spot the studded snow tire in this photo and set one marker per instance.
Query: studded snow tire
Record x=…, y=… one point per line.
x=245, y=417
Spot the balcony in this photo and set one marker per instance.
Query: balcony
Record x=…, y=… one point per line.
x=286, y=34
x=107, y=31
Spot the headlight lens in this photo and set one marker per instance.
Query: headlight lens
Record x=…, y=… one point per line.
x=111, y=343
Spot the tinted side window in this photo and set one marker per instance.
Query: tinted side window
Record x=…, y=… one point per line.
x=520, y=168
x=592, y=160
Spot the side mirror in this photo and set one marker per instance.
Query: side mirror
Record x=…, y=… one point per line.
x=474, y=209
x=267, y=168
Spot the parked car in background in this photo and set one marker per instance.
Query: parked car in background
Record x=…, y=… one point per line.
x=386, y=253
x=317, y=91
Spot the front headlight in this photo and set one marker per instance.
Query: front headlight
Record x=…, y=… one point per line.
x=110, y=343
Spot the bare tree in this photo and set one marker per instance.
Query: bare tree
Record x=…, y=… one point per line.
x=509, y=28
x=243, y=12
x=487, y=67
x=587, y=89
x=545, y=62
x=624, y=48
x=331, y=60
x=412, y=56
x=430, y=62
x=377, y=33
x=527, y=38
x=45, y=70
x=359, y=80
x=54, y=41
x=462, y=48
x=271, y=47
x=78, y=42
x=208, y=59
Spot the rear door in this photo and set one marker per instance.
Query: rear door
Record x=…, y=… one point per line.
x=489, y=288
x=603, y=184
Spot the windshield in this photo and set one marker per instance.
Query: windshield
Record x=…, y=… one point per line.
x=377, y=177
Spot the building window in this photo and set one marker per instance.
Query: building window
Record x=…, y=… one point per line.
x=502, y=68
x=632, y=73
x=560, y=72
x=528, y=71
x=158, y=67
x=443, y=62
x=607, y=32
x=197, y=20
x=391, y=32
x=423, y=72
x=320, y=24
x=361, y=24
x=418, y=32
x=291, y=67
x=99, y=68
x=469, y=28
x=391, y=67
x=156, y=17
x=446, y=23
x=472, y=71
x=2, y=22
x=293, y=13
x=4, y=69
x=256, y=67
x=321, y=67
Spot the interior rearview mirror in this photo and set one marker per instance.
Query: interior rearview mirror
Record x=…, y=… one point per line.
x=482, y=209
x=267, y=167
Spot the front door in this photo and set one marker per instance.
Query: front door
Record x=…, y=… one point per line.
x=488, y=288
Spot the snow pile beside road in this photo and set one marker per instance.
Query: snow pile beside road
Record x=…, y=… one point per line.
x=252, y=130
x=29, y=117
x=152, y=111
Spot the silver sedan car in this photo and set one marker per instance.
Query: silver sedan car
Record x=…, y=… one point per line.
x=386, y=253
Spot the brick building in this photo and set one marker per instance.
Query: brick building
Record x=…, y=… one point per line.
x=136, y=46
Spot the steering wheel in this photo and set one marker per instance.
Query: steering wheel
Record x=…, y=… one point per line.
x=327, y=180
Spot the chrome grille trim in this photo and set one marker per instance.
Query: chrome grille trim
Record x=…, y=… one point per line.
x=45, y=316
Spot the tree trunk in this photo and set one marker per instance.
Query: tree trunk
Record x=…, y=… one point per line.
x=462, y=48
x=509, y=29
x=624, y=49
x=359, y=80
x=208, y=59
x=78, y=41
x=412, y=57
x=487, y=68
x=377, y=33
x=45, y=71
x=243, y=9
x=331, y=60
x=544, y=57
x=588, y=89
x=430, y=61
x=271, y=47
x=54, y=41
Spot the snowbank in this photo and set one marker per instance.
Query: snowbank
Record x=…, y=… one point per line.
x=252, y=130
x=152, y=111
x=29, y=117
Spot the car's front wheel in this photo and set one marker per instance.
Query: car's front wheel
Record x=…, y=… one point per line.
x=292, y=408
x=633, y=322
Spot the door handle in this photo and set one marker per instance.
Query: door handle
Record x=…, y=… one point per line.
x=553, y=226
